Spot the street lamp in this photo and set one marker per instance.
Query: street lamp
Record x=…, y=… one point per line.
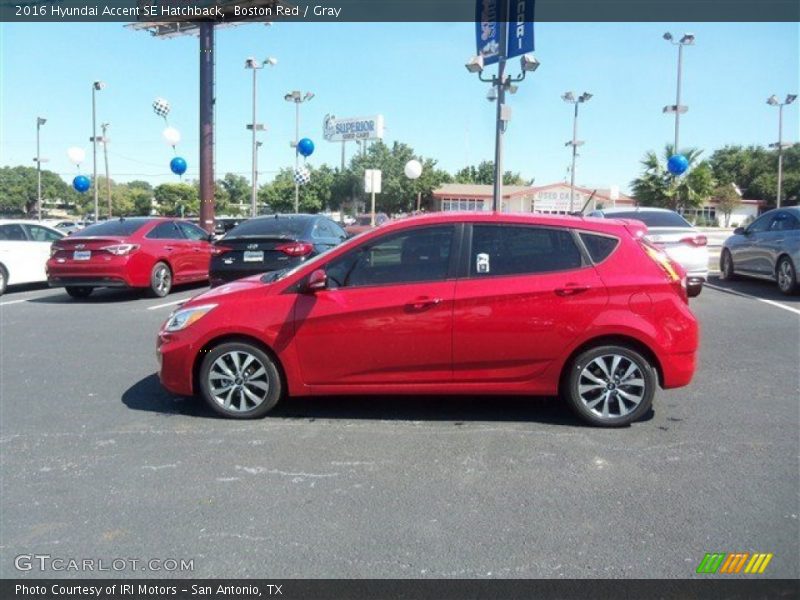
x=252, y=63
x=501, y=83
x=96, y=87
x=298, y=98
x=773, y=101
x=570, y=98
x=678, y=108
x=38, y=160
x=105, y=140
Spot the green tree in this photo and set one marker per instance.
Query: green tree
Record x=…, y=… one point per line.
x=483, y=173
x=237, y=190
x=175, y=199
x=19, y=189
x=656, y=186
x=727, y=199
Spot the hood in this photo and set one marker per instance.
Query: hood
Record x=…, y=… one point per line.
x=234, y=288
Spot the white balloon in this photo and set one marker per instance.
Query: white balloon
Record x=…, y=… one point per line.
x=172, y=136
x=76, y=155
x=413, y=169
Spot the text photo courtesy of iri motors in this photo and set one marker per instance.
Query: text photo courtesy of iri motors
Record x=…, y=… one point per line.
x=477, y=298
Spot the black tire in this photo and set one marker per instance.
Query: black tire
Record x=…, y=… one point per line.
x=160, y=280
x=726, y=268
x=612, y=397
x=79, y=291
x=3, y=280
x=233, y=398
x=693, y=290
x=786, y=276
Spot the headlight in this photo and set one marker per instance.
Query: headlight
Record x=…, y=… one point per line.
x=181, y=319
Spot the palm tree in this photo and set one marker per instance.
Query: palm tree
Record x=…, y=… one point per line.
x=658, y=187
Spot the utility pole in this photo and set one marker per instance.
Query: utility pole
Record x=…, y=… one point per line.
x=773, y=101
x=104, y=128
x=39, y=122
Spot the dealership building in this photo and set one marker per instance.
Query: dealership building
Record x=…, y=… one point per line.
x=554, y=199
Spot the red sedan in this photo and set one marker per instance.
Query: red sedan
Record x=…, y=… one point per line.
x=137, y=252
x=448, y=304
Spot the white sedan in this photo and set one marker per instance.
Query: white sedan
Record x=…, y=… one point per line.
x=675, y=235
x=24, y=251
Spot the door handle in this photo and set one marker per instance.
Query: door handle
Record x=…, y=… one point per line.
x=421, y=303
x=169, y=248
x=571, y=289
x=195, y=249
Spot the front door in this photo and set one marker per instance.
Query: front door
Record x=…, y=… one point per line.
x=386, y=316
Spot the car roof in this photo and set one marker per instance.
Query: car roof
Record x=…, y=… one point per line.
x=25, y=222
x=576, y=222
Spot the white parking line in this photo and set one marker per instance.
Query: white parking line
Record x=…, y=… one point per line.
x=13, y=302
x=764, y=300
x=173, y=303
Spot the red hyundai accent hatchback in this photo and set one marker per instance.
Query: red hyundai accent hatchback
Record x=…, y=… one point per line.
x=137, y=252
x=447, y=304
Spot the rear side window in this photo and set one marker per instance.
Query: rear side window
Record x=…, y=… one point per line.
x=652, y=218
x=118, y=228
x=513, y=250
x=600, y=247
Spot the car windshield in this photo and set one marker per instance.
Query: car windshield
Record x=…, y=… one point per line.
x=271, y=226
x=120, y=227
x=652, y=218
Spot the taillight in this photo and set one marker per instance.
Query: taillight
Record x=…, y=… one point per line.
x=54, y=249
x=698, y=241
x=121, y=249
x=295, y=248
x=675, y=273
x=220, y=250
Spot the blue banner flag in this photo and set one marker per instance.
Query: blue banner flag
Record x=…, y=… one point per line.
x=489, y=14
x=487, y=29
x=520, y=27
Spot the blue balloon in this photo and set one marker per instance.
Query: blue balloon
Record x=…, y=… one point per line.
x=81, y=183
x=677, y=164
x=178, y=165
x=305, y=147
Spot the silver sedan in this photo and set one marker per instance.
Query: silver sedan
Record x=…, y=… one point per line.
x=768, y=248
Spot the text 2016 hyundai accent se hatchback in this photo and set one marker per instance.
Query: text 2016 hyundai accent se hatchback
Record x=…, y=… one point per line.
x=447, y=304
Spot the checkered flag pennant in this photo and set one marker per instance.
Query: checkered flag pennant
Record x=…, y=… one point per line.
x=302, y=176
x=161, y=107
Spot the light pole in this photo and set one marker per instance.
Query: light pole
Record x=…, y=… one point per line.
x=501, y=83
x=677, y=108
x=570, y=98
x=773, y=101
x=298, y=98
x=104, y=140
x=39, y=122
x=255, y=126
x=96, y=86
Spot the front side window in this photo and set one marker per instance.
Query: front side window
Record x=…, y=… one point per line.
x=193, y=232
x=406, y=257
x=12, y=233
x=42, y=234
x=514, y=250
x=760, y=224
x=167, y=230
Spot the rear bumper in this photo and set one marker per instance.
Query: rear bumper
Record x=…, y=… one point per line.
x=678, y=369
x=113, y=272
x=87, y=282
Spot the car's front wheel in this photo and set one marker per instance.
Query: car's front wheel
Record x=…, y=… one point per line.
x=239, y=380
x=610, y=386
x=3, y=280
x=726, y=271
x=787, y=276
x=79, y=291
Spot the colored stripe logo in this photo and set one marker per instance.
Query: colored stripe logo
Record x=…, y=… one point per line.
x=734, y=562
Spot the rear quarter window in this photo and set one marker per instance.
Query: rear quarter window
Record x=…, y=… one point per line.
x=599, y=247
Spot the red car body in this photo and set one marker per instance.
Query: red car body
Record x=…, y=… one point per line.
x=127, y=259
x=512, y=334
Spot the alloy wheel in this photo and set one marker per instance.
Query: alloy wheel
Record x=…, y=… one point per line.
x=163, y=280
x=238, y=381
x=611, y=386
x=785, y=275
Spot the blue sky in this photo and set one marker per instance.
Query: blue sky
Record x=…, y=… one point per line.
x=411, y=73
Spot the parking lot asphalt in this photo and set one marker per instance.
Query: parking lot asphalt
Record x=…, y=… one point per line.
x=97, y=461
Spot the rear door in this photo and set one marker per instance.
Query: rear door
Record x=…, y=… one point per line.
x=40, y=241
x=201, y=249
x=167, y=240
x=776, y=240
x=527, y=294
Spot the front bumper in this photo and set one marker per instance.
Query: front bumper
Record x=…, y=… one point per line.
x=175, y=359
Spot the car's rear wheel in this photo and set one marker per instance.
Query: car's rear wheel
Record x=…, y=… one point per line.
x=3, y=280
x=160, y=280
x=79, y=291
x=726, y=270
x=787, y=276
x=610, y=386
x=240, y=381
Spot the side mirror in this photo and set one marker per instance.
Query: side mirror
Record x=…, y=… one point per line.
x=318, y=280
x=739, y=231
x=211, y=237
